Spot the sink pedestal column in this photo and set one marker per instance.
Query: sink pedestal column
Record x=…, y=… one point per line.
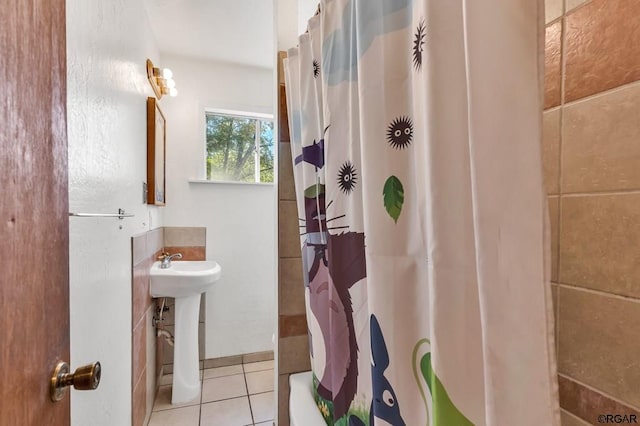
x=186, y=362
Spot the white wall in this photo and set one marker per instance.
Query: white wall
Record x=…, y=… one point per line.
x=306, y=9
x=107, y=46
x=287, y=11
x=292, y=17
x=240, y=219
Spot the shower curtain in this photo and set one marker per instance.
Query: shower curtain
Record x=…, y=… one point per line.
x=415, y=134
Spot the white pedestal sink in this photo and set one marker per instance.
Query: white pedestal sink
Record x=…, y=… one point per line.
x=185, y=281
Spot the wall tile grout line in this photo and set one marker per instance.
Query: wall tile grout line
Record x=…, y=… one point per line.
x=599, y=292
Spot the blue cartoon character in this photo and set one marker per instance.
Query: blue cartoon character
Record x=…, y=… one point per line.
x=384, y=404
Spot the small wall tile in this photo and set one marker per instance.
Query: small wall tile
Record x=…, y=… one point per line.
x=291, y=287
x=282, y=55
x=283, y=400
x=600, y=150
x=141, y=299
x=159, y=342
x=603, y=47
x=572, y=4
x=587, y=404
x=554, y=218
x=551, y=150
x=139, y=401
x=139, y=248
x=185, y=236
x=188, y=253
x=553, y=65
x=139, y=356
x=155, y=241
x=553, y=9
x=599, y=247
x=201, y=338
x=286, y=185
x=293, y=325
x=167, y=349
x=600, y=343
x=568, y=419
x=288, y=230
x=283, y=119
x=293, y=354
x=554, y=295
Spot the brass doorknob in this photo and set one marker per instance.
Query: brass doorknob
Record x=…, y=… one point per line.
x=86, y=377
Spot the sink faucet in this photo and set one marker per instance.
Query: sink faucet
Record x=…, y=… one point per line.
x=166, y=259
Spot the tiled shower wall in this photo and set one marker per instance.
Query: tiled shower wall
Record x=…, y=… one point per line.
x=592, y=173
x=148, y=352
x=293, y=343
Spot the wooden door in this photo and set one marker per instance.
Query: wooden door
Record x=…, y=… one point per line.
x=34, y=224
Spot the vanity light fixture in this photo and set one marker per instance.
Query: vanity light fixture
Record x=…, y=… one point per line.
x=161, y=81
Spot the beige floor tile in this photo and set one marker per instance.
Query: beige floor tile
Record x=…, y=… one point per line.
x=262, y=406
x=223, y=388
x=265, y=423
x=258, y=366
x=231, y=370
x=230, y=412
x=163, y=400
x=260, y=381
x=186, y=416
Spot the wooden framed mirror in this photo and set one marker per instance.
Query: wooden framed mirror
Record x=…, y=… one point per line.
x=156, y=142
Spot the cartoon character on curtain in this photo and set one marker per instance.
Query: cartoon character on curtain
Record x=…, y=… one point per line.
x=333, y=261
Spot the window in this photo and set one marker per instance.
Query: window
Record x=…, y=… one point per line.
x=239, y=148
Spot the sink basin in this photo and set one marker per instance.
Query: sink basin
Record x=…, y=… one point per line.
x=184, y=278
x=185, y=281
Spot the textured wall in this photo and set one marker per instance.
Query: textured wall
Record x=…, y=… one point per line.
x=107, y=45
x=591, y=151
x=240, y=219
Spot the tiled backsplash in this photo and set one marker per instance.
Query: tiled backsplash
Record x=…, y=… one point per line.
x=591, y=152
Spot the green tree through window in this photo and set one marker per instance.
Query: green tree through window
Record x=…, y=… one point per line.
x=239, y=148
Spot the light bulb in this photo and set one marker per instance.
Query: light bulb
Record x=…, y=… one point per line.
x=173, y=91
x=171, y=83
x=167, y=73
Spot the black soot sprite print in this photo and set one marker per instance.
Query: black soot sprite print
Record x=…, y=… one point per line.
x=400, y=133
x=316, y=69
x=418, y=45
x=347, y=177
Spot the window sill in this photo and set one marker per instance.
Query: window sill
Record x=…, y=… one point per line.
x=224, y=182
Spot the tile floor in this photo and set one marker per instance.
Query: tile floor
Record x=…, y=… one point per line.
x=237, y=395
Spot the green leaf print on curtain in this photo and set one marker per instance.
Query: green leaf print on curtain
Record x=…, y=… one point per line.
x=444, y=412
x=393, y=193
